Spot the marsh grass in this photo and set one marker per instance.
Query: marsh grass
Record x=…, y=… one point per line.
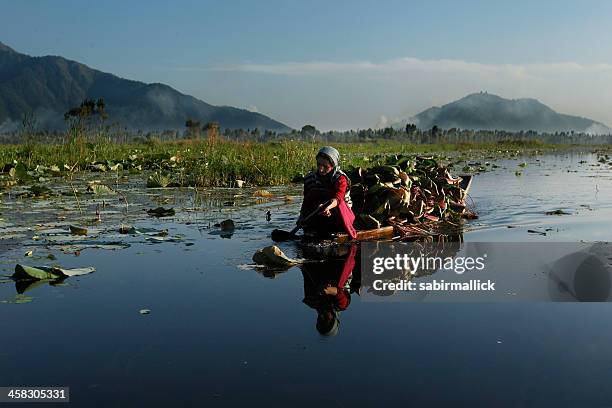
x=220, y=163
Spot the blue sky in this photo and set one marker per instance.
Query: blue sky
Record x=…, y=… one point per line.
x=336, y=64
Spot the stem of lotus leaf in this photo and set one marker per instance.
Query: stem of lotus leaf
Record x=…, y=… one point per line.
x=76, y=198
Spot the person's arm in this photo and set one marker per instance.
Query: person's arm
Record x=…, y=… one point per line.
x=341, y=186
x=340, y=296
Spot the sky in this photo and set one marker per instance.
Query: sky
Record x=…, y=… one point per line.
x=335, y=64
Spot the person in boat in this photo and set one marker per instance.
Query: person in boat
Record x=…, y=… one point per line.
x=327, y=184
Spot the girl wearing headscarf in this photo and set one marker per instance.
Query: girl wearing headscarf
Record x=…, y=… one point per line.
x=328, y=184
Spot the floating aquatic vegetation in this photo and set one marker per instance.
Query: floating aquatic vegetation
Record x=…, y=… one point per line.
x=411, y=190
x=163, y=238
x=78, y=230
x=46, y=272
x=158, y=180
x=161, y=212
x=226, y=225
x=98, y=167
x=20, y=172
x=39, y=190
x=78, y=247
x=557, y=212
x=273, y=256
x=127, y=229
x=116, y=167
x=262, y=193
x=95, y=187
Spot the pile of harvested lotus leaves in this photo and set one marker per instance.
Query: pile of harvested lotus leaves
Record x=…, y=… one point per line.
x=406, y=190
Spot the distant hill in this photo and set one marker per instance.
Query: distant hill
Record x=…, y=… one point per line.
x=50, y=85
x=490, y=112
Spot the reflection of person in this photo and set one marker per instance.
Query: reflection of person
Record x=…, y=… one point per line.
x=326, y=289
x=328, y=184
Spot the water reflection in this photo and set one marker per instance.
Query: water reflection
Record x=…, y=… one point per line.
x=328, y=287
x=330, y=283
x=24, y=285
x=440, y=246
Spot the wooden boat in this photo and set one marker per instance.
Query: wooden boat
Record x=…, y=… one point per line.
x=387, y=232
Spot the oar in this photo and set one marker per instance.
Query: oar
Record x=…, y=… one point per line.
x=280, y=235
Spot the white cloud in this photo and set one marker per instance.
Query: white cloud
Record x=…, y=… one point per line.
x=354, y=94
x=252, y=108
x=409, y=64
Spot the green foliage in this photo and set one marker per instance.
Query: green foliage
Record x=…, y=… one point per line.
x=208, y=162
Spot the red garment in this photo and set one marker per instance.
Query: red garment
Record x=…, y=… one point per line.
x=345, y=211
x=342, y=299
x=342, y=215
x=340, y=188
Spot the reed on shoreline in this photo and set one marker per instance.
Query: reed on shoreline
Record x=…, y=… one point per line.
x=221, y=163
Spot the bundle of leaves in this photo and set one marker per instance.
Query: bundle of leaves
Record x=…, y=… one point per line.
x=409, y=190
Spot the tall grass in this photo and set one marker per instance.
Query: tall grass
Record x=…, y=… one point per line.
x=219, y=163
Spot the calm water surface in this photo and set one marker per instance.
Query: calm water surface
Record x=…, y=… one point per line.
x=222, y=333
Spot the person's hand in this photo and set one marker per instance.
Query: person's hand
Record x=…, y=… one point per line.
x=331, y=290
x=327, y=210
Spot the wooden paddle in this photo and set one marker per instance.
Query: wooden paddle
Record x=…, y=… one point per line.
x=280, y=235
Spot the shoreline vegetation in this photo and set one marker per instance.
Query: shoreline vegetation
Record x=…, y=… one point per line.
x=209, y=156
x=222, y=163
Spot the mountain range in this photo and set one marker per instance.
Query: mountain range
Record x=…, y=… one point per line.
x=485, y=111
x=51, y=85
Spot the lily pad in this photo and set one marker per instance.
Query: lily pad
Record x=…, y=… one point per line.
x=273, y=256
x=227, y=225
x=39, y=190
x=20, y=172
x=78, y=230
x=262, y=193
x=161, y=212
x=557, y=212
x=46, y=272
x=99, y=167
x=29, y=272
x=110, y=246
x=158, y=180
x=100, y=189
x=127, y=229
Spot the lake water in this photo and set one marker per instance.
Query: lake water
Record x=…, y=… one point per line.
x=223, y=333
